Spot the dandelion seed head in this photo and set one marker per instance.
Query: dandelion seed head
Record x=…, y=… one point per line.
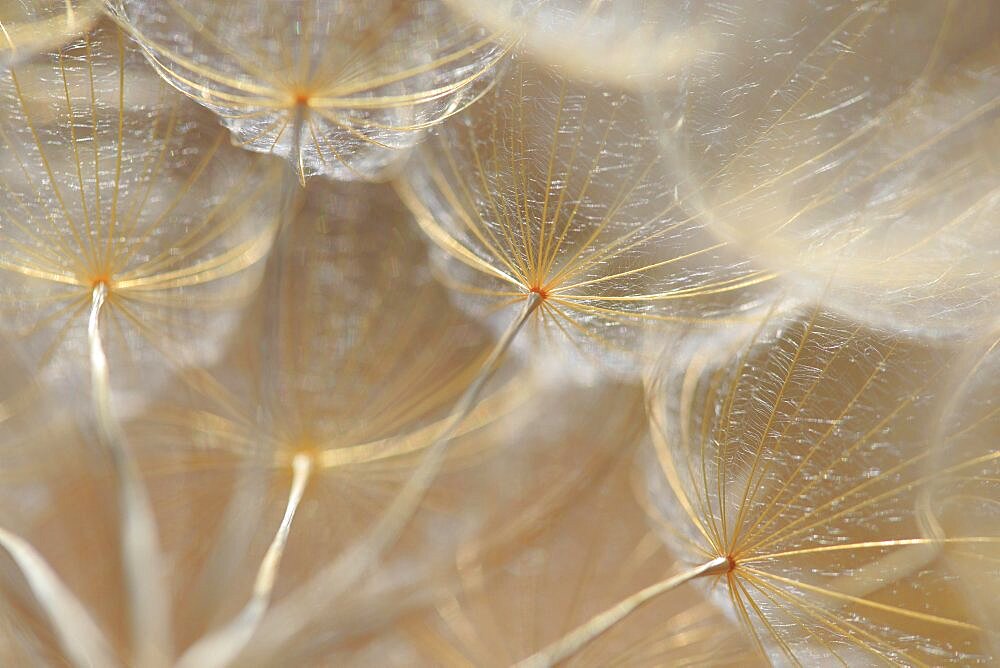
x=803, y=457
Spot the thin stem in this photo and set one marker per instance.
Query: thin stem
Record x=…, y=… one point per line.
x=405, y=504
x=143, y=564
x=298, y=125
x=573, y=642
x=351, y=566
x=238, y=523
x=220, y=647
x=76, y=631
x=223, y=645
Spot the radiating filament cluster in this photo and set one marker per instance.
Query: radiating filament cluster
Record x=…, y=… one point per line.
x=516, y=333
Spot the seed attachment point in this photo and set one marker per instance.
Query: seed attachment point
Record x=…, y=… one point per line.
x=542, y=293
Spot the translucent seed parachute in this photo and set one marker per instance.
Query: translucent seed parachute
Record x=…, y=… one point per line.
x=370, y=76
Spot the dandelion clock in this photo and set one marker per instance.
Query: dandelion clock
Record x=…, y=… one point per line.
x=552, y=195
x=345, y=375
x=797, y=468
x=851, y=146
x=345, y=84
x=122, y=204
